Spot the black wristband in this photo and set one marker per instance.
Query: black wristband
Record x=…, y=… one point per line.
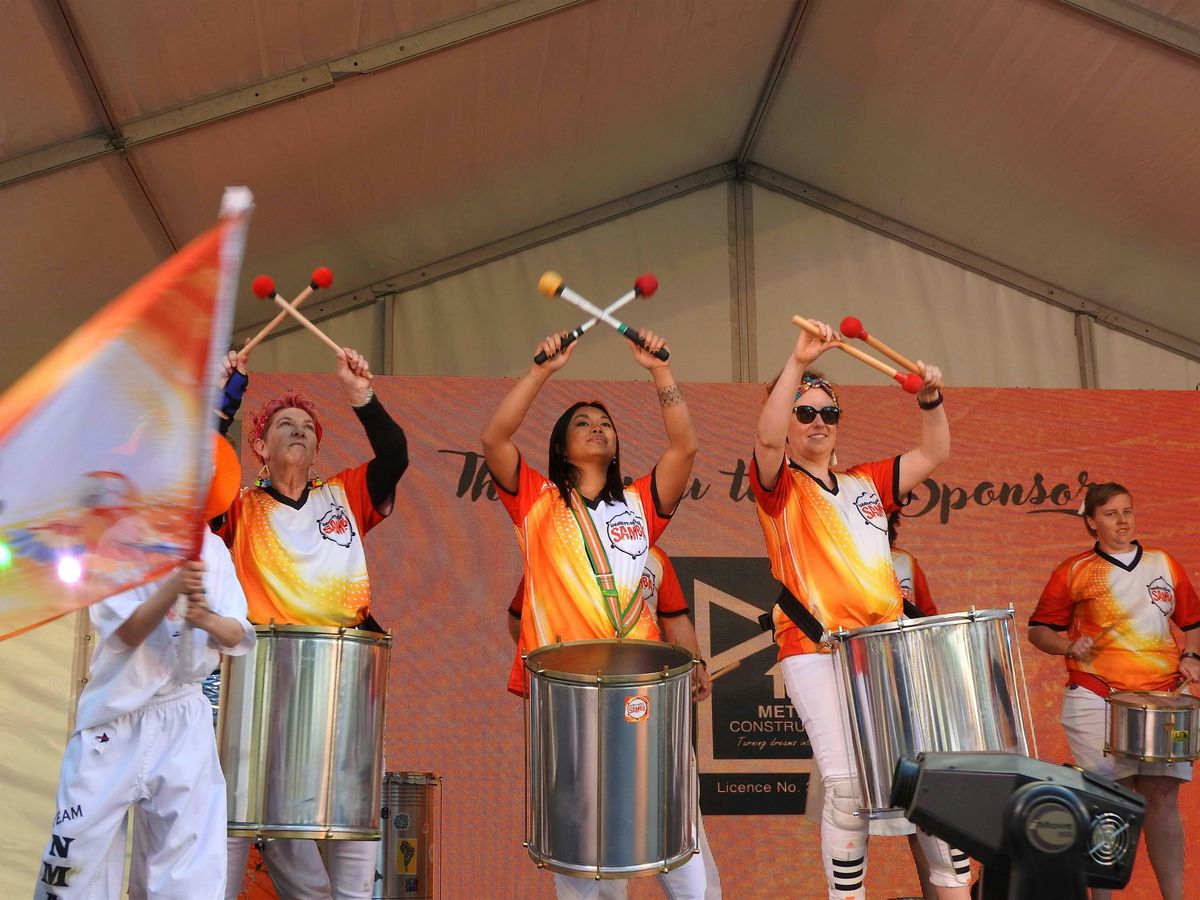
x=931, y=404
x=1189, y=654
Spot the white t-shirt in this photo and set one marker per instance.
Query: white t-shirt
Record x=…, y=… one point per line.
x=127, y=678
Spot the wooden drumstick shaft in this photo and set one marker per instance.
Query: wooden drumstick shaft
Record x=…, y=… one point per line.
x=725, y=670
x=842, y=345
x=898, y=358
x=279, y=317
x=303, y=320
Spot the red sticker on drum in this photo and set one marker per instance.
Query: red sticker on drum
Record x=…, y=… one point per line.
x=637, y=709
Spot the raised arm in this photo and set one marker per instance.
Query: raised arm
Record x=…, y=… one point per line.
x=387, y=438
x=770, y=439
x=919, y=463
x=499, y=450
x=674, y=467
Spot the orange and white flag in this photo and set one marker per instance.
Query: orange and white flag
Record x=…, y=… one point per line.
x=105, y=444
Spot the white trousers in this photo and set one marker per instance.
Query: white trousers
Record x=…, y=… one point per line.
x=309, y=870
x=162, y=760
x=672, y=884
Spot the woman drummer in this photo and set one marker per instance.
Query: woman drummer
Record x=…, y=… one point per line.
x=297, y=543
x=827, y=538
x=1109, y=611
x=585, y=535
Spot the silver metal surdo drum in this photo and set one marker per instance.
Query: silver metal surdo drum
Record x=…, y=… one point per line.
x=411, y=849
x=1153, y=726
x=943, y=683
x=300, y=733
x=610, y=783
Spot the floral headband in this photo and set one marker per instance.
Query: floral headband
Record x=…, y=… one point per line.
x=809, y=381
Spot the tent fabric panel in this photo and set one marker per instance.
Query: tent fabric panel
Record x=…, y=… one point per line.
x=46, y=99
x=1026, y=132
x=37, y=707
x=488, y=320
x=982, y=334
x=68, y=245
x=1126, y=362
x=153, y=56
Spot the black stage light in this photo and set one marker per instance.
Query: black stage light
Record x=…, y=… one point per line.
x=1041, y=831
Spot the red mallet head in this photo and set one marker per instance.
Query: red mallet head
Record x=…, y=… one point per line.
x=645, y=285
x=852, y=328
x=322, y=277
x=911, y=382
x=263, y=287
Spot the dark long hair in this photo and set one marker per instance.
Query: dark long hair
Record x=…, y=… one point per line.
x=564, y=475
x=1097, y=495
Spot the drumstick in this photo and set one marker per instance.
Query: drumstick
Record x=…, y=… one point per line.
x=551, y=285
x=724, y=670
x=644, y=286
x=853, y=328
x=910, y=383
x=264, y=287
x=303, y=320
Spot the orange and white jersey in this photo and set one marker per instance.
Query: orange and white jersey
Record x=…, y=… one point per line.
x=303, y=563
x=563, y=601
x=661, y=591
x=914, y=588
x=1128, y=609
x=829, y=547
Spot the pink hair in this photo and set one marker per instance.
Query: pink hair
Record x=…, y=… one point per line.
x=287, y=400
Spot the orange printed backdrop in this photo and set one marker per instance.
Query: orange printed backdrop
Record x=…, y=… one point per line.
x=444, y=567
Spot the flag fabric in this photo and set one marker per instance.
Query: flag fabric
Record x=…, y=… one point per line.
x=105, y=445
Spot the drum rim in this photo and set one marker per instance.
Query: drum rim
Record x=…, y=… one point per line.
x=323, y=631
x=1116, y=698
x=430, y=777
x=903, y=624
x=577, y=678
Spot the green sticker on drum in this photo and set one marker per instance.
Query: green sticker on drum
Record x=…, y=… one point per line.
x=1180, y=737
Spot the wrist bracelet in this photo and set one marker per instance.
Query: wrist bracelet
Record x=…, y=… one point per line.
x=370, y=397
x=931, y=404
x=1189, y=654
x=703, y=662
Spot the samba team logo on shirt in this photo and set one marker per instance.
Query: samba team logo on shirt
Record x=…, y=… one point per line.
x=870, y=507
x=1162, y=595
x=627, y=533
x=335, y=526
x=906, y=590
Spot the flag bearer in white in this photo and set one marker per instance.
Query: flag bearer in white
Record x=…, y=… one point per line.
x=143, y=738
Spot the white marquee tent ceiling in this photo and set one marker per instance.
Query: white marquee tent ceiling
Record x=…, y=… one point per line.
x=1054, y=143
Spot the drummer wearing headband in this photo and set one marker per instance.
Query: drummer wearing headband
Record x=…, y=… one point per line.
x=297, y=542
x=826, y=536
x=579, y=585
x=1109, y=612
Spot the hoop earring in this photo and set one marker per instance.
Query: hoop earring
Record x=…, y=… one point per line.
x=264, y=477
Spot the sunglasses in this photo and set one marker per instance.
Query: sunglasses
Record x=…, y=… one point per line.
x=806, y=414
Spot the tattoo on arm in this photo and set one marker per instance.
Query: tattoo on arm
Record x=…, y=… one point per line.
x=670, y=396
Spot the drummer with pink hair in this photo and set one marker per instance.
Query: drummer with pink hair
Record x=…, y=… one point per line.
x=1109, y=611
x=827, y=539
x=297, y=543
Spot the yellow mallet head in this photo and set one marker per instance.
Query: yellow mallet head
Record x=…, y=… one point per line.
x=550, y=284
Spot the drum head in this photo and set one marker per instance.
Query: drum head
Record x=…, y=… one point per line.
x=1154, y=700
x=612, y=661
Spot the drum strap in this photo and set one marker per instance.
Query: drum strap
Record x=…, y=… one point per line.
x=912, y=611
x=1093, y=683
x=798, y=613
x=621, y=618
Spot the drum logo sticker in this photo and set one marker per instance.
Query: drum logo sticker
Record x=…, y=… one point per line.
x=1162, y=595
x=335, y=526
x=870, y=507
x=627, y=533
x=637, y=708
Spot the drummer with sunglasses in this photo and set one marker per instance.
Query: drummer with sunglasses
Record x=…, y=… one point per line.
x=827, y=538
x=1109, y=611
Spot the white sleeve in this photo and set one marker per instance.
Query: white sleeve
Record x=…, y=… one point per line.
x=111, y=613
x=225, y=594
